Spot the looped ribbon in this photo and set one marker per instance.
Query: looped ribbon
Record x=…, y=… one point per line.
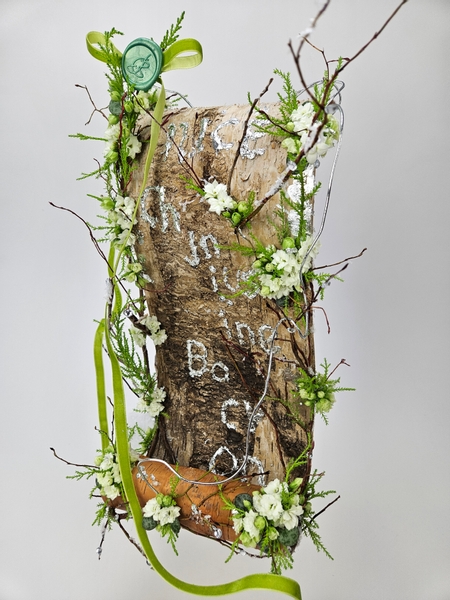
x=174, y=57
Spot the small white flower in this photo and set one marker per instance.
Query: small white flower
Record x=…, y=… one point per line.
x=137, y=335
x=249, y=524
x=159, y=337
x=126, y=205
x=116, y=473
x=111, y=492
x=168, y=514
x=159, y=395
x=133, y=146
x=105, y=479
x=154, y=408
x=112, y=133
x=107, y=462
x=152, y=323
x=268, y=505
x=151, y=509
x=217, y=197
x=238, y=524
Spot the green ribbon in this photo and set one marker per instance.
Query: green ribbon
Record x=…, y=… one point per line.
x=183, y=54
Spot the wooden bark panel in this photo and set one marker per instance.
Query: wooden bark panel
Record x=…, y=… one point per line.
x=214, y=362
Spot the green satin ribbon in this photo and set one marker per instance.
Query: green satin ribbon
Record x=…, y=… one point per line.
x=183, y=54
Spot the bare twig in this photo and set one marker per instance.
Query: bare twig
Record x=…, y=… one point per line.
x=373, y=38
x=324, y=509
x=340, y=262
x=99, y=110
x=244, y=132
x=71, y=464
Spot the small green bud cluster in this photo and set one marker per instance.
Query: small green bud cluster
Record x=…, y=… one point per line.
x=240, y=211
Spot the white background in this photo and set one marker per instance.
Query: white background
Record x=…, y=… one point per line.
x=386, y=450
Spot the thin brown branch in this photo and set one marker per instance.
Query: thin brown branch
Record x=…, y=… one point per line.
x=340, y=262
x=99, y=110
x=71, y=464
x=244, y=132
x=341, y=362
x=324, y=509
x=373, y=38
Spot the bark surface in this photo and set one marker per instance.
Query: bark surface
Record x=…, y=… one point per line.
x=215, y=360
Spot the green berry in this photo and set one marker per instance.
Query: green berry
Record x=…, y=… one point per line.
x=167, y=501
x=128, y=106
x=288, y=242
x=116, y=97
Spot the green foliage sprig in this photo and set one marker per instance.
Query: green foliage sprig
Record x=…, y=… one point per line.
x=317, y=391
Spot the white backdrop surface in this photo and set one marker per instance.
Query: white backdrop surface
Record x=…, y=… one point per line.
x=386, y=449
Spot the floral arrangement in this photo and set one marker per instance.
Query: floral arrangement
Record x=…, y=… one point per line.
x=269, y=518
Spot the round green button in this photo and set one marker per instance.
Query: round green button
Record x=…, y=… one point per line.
x=142, y=63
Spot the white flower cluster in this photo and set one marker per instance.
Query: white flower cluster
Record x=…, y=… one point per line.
x=120, y=212
x=108, y=478
x=275, y=506
x=162, y=509
x=302, y=124
x=281, y=274
x=217, y=197
x=112, y=135
x=154, y=405
x=157, y=335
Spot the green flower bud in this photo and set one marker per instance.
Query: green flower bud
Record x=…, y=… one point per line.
x=288, y=242
x=159, y=499
x=242, y=207
x=113, y=119
x=294, y=485
x=236, y=218
x=112, y=156
x=257, y=264
x=116, y=97
x=226, y=214
x=272, y=533
x=167, y=501
x=307, y=508
x=290, y=126
x=321, y=394
x=149, y=523
x=265, y=290
x=260, y=522
x=269, y=268
x=247, y=540
x=128, y=106
x=301, y=500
